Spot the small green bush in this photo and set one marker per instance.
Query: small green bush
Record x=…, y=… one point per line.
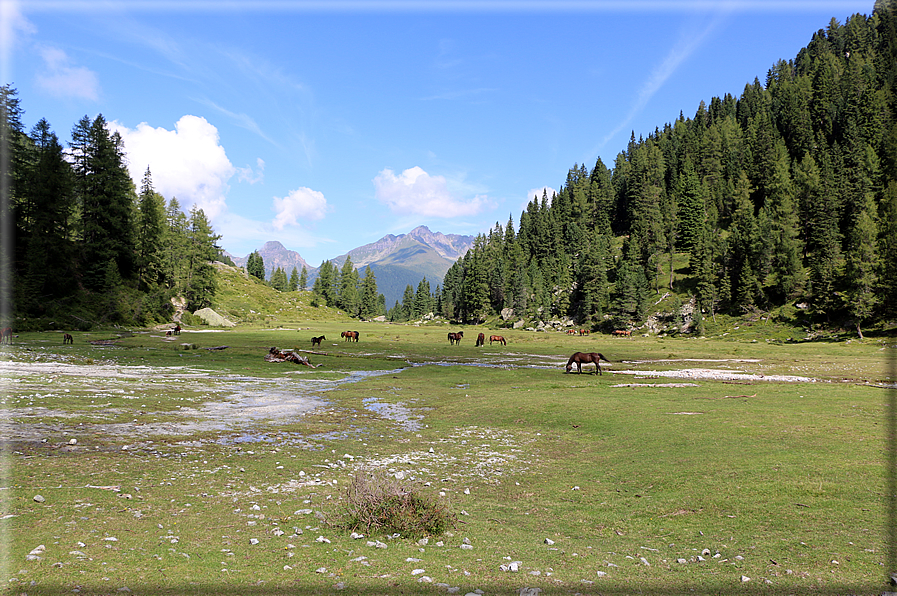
x=377, y=502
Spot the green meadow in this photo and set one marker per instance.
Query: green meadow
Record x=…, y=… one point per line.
x=749, y=463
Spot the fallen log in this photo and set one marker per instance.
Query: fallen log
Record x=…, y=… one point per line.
x=276, y=355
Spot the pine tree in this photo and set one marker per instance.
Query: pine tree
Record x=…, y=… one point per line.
x=107, y=199
x=862, y=264
x=203, y=249
x=150, y=229
x=348, y=288
x=370, y=303
x=294, y=280
x=303, y=279
x=255, y=265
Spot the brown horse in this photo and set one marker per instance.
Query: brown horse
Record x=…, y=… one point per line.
x=177, y=329
x=349, y=335
x=481, y=339
x=497, y=338
x=316, y=341
x=571, y=331
x=67, y=339
x=6, y=335
x=455, y=338
x=580, y=358
x=622, y=332
x=583, y=331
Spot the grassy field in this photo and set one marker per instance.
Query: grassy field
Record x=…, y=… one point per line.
x=156, y=465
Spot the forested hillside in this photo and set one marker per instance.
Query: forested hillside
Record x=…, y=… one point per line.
x=89, y=249
x=784, y=195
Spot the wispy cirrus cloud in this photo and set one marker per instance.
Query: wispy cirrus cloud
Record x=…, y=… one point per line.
x=414, y=191
x=61, y=78
x=687, y=44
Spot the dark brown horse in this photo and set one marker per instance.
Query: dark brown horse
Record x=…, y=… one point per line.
x=455, y=338
x=6, y=335
x=67, y=339
x=349, y=335
x=580, y=358
x=481, y=340
x=497, y=338
x=316, y=341
x=583, y=331
x=177, y=329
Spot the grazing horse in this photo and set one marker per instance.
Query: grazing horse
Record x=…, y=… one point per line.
x=6, y=335
x=481, y=339
x=316, y=341
x=571, y=331
x=622, y=332
x=497, y=338
x=455, y=338
x=67, y=339
x=583, y=331
x=349, y=335
x=580, y=358
x=177, y=329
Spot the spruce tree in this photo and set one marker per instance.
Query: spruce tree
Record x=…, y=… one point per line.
x=294, y=280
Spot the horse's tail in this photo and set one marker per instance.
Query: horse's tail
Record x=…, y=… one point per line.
x=601, y=357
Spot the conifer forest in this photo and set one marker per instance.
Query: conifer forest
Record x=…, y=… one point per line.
x=784, y=195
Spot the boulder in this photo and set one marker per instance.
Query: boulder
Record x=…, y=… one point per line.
x=213, y=318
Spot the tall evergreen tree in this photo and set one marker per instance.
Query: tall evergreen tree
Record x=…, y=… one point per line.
x=348, y=288
x=370, y=303
x=106, y=196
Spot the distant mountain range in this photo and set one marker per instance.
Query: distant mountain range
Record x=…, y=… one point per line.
x=397, y=261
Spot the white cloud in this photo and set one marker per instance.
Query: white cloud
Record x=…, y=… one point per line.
x=188, y=162
x=12, y=23
x=61, y=78
x=417, y=192
x=301, y=204
x=251, y=176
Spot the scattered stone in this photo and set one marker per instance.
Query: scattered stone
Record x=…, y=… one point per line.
x=530, y=591
x=77, y=553
x=418, y=571
x=549, y=541
x=356, y=536
x=73, y=441
x=644, y=561
x=681, y=561
x=110, y=539
x=303, y=512
x=322, y=540
x=601, y=573
x=39, y=499
x=745, y=579
x=513, y=566
x=466, y=547
x=423, y=542
x=253, y=541
x=321, y=570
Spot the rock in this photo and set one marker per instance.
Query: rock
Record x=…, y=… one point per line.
x=549, y=541
x=601, y=573
x=73, y=441
x=39, y=499
x=253, y=541
x=644, y=561
x=513, y=566
x=530, y=591
x=418, y=571
x=213, y=318
x=681, y=561
x=321, y=570
x=356, y=535
x=745, y=579
x=322, y=540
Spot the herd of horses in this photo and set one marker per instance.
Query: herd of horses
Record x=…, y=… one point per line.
x=578, y=358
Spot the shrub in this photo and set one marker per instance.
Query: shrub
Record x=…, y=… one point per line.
x=377, y=502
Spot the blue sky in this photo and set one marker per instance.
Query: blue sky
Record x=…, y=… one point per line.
x=327, y=125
